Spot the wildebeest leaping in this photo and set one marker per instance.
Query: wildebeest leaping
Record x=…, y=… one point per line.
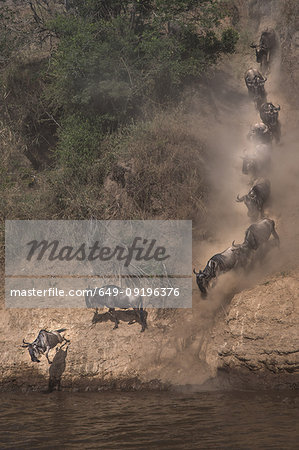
x=231, y=258
x=45, y=341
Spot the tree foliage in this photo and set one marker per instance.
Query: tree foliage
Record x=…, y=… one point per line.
x=112, y=58
x=115, y=56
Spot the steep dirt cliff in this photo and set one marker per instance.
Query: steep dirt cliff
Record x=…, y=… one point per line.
x=259, y=335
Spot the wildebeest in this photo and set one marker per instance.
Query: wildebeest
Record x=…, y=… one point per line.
x=269, y=115
x=255, y=83
x=257, y=162
x=130, y=316
x=45, y=341
x=231, y=258
x=115, y=297
x=258, y=234
x=266, y=49
x=260, y=134
x=256, y=198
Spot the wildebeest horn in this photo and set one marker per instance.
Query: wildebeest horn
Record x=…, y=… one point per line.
x=233, y=244
x=26, y=343
x=194, y=272
x=239, y=200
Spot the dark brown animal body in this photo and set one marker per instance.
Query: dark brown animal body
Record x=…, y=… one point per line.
x=255, y=83
x=265, y=50
x=269, y=115
x=116, y=316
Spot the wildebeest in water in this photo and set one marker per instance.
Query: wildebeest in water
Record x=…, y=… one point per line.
x=115, y=297
x=256, y=198
x=45, y=341
x=255, y=83
x=231, y=258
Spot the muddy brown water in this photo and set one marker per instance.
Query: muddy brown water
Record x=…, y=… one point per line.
x=198, y=420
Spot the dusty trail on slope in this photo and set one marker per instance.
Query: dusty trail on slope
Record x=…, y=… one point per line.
x=226, y=135
x=228, y=118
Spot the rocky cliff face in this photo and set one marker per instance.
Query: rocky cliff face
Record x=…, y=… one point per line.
x=259, y=335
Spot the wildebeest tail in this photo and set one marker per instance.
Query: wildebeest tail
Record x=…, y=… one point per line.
x=61, y=330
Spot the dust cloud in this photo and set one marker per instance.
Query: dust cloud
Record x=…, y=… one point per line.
x=225, y=122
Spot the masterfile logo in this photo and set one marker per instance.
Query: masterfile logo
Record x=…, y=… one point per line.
x=139, y=256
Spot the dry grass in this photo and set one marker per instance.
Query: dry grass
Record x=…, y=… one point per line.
x=160, y=173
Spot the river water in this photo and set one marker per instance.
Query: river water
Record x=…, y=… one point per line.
x=147, y=420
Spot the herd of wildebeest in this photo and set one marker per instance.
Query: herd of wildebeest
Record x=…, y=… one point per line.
x=256, y=164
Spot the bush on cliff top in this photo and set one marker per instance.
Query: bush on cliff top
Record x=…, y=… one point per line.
x=110, y=61
x=115, y=58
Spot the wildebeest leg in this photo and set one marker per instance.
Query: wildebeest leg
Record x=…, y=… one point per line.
x=47, y=355
x=275, y=235
x=116, y=321
x=143, y=320
x=264, y=64
x=67, y=341
x=277, y=133
x=142, y=314
x=213, y=282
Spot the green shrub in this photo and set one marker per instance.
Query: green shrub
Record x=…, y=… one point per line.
x=79, y=141
x=229, y=40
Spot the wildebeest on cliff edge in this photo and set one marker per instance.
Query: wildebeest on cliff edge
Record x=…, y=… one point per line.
x=231, y=258
x=129, y=316
x=115, y=297
x=238, y=255
x=258, y=234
